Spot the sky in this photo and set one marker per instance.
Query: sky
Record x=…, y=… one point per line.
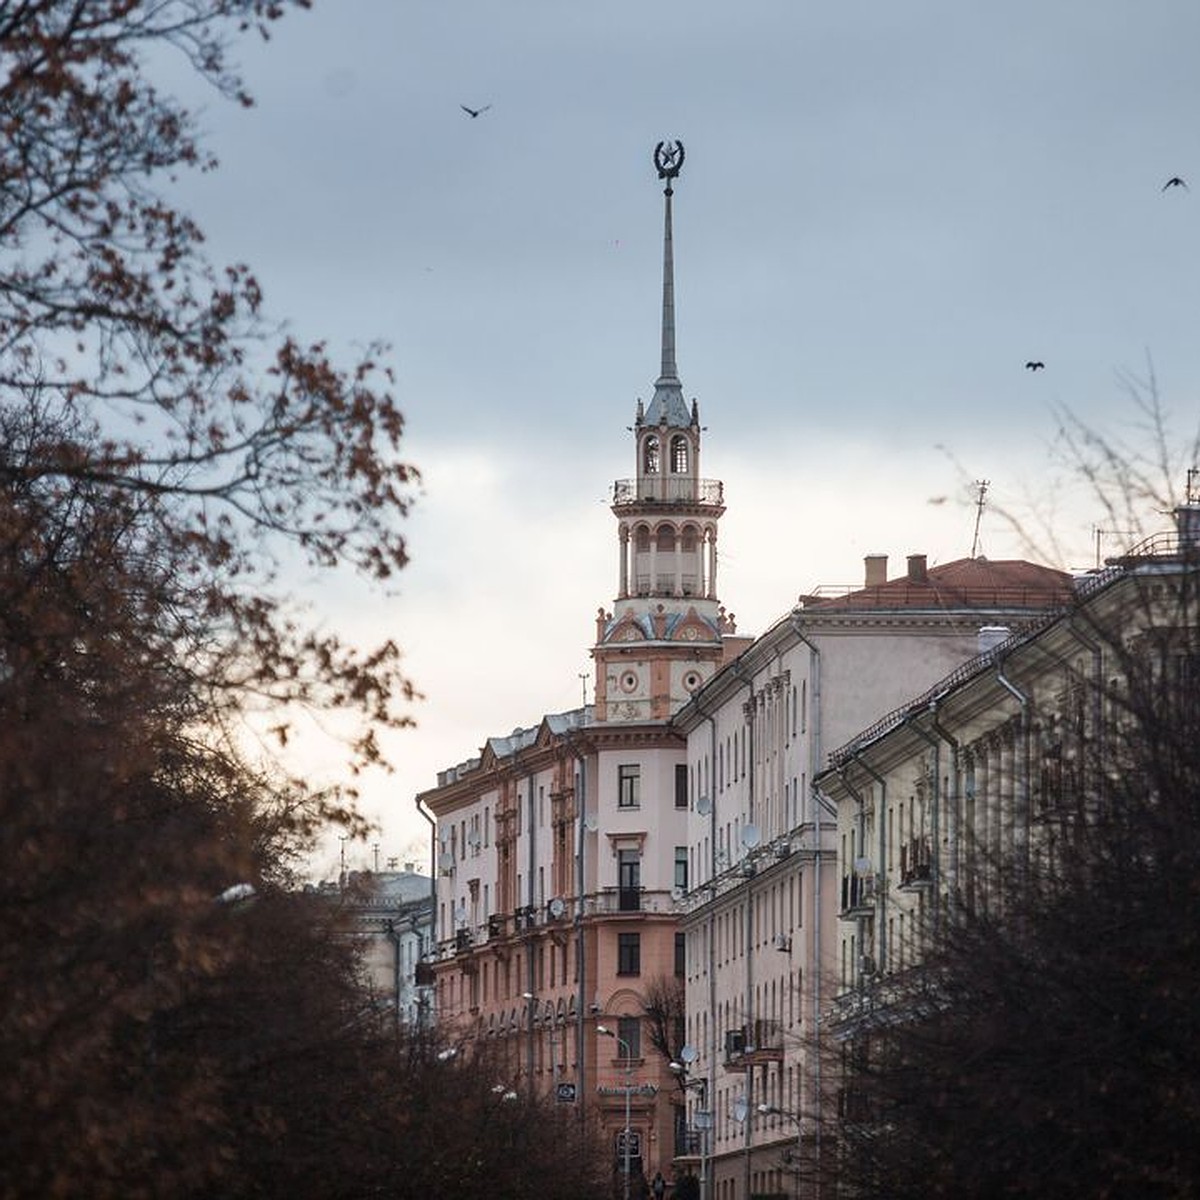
x=886, y=210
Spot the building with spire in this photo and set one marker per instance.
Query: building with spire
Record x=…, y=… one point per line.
x=667, y=631
x=636, y=901
x=561, y=848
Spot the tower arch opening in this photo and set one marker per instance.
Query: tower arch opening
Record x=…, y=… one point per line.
x=681, y=455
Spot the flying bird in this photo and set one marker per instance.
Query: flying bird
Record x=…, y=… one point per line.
x=474, y=112
x=1175, y=181
x=1035, y=366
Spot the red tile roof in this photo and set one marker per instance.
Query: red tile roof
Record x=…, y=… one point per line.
x=966, y=583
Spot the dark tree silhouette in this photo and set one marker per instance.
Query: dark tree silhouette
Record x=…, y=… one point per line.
x=1047, y=1044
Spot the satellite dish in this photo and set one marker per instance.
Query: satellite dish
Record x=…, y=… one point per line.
x=473, y=839
x=862, y=865
x=704, y=806
x=741, y=1110
x=557, y=907
x=689, y=1054
x=751, y=836
x=590, y=823
x=677, y=893
x=460, y=913
x=446, y=860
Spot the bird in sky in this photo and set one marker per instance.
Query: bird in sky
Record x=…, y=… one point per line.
x=474, y=112
x=1175, y=181
x=1033, y=365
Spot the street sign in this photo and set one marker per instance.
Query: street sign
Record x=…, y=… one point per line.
x=564, y=1093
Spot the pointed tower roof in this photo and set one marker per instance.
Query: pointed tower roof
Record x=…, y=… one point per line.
x=668, y=405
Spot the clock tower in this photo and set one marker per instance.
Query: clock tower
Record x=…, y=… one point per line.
x=667, y=631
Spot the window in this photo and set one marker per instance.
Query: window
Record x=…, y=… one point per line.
x=629, y=1030
x=629, y=953
x=679, y=455
x=650, y=456
x=681, y=867
x=680, y=957
x=629, y=780
x=681, y=785
x=629, y=880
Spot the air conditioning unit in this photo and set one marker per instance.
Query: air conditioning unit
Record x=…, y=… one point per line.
x=866, y=965
x=783, y=942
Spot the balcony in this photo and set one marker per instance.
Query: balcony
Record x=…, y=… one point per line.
x=916, y=865
x=668, y=489
x=629, y=899
x=858, y=896
x=753, y=1045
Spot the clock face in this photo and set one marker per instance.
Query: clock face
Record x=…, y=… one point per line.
x=690, y=633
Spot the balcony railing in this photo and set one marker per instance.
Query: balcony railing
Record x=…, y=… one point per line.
x=858, y=895
x=668, y=489
x=499, y=928
x=753, y=1045
x=916, y=863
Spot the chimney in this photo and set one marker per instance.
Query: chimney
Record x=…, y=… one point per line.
x=876, y=565
x=916, y=569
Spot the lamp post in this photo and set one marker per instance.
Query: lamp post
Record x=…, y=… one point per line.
x=773, y=1110
x=606, y=1032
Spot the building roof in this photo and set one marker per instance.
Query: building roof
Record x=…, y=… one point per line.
x=965, y=583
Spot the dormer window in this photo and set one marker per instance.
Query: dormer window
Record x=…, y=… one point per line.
x=679, y=455
x=651, y=457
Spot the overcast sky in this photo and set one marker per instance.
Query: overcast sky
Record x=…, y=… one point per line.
x=887, y=208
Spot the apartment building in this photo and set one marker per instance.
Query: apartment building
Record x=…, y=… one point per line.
x=760, y=918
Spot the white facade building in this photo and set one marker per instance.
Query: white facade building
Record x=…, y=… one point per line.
x=761, y=913
x=937, y=802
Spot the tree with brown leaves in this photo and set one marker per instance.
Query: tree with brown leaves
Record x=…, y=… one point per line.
x=161, y=463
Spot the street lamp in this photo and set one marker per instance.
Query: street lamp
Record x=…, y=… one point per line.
x=606, y=1032
x=773, y=1110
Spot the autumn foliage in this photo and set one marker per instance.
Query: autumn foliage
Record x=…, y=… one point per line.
x=163, y=459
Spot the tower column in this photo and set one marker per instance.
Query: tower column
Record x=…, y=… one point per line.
x=623, y=590
x=653, y=562
x=712, y=564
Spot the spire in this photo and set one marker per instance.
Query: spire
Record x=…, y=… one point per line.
x=668, y=403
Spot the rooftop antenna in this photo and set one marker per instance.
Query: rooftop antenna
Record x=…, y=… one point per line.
x=980, y=502
x=583, y=678
x=1193, y=492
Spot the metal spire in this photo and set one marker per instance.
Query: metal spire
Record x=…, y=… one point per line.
x=668, y=160
x=668, y=393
